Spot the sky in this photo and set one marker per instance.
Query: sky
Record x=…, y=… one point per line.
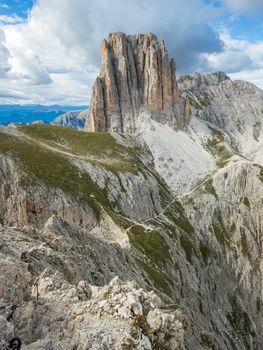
x=49, y=49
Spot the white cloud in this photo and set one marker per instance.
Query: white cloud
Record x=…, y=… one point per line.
x=53, y=56
x=229, y=61
x=14, y=19
x=4, y=56
x=76, y=31
x=12, y=94
x=27, y=67
x=64, y=37
x=240, y=59
x=254, y=76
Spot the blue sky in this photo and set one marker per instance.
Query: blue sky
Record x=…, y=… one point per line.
x=49, y=49
x=16, y=7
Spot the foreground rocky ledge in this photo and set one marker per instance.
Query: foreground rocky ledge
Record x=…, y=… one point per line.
x=116, y=316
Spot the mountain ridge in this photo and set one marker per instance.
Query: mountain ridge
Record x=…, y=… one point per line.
x=28, y=113
x=157, y=233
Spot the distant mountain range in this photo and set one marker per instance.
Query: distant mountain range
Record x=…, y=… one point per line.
x=24, y=114
x=73, y=119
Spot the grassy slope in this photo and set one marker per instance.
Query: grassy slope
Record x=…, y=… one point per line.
x=55, y=170
x=98, y=148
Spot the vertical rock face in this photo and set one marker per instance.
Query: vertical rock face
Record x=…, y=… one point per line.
x=136, y=76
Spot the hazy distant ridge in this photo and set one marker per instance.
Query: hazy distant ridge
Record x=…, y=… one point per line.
x=28, y=113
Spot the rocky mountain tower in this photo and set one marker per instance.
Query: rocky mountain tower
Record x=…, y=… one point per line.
x=137, y=79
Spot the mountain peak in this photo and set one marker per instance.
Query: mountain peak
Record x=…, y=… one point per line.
x=136, y=76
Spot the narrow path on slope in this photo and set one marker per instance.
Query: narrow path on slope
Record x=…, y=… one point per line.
x=176, y=198
x=57, y=150
x=135, y=223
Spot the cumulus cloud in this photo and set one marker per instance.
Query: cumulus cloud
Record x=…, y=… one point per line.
x=4, y=56
x=54, y=55
x=234, y=57
x=229, y=61
x=78, y=30
x=241, y=59
x=12, y=94
x=18, y=62
x=14, y=19
x=26, y=66
x=64, y=38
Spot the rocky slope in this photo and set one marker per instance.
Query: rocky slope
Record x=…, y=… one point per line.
x=199, y=251
x=148, y=240
x=234, y=106
x=136, y=75
x=75, y=119
x=59, y=309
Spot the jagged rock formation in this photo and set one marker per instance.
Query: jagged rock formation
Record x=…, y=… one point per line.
x=114, y=316
x=136, y=76
x=234, y=106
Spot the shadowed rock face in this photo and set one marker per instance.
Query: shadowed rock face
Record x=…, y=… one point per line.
x=137, y=76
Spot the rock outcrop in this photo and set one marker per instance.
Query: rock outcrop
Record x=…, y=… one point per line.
x=74, y=120
x=57, y=309
x=137, y=76
x=236, y=107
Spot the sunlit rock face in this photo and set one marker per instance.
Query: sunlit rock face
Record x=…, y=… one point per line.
x=137, y=76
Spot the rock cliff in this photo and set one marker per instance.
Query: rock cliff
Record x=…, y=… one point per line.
x=236, y=107
x=136, y=76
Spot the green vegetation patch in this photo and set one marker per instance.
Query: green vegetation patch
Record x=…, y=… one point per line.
x=178, y=216
x=151, y=243
x=244, y=244
x=187, y=246
x=154, y=247
x=178, y=219
x=210, y=188
x=100, y=148
x=233, y=228
x=245, y=200
x=54, y=170
x=239, y=321
x=217, y=146
x=220, y=231
x=159, y=279
x=261, y=174
x=205, y=252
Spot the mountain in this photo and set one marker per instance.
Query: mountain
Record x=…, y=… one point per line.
x=148, y=236
x=74, y=119
x=136, y=76
x=24, y=114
